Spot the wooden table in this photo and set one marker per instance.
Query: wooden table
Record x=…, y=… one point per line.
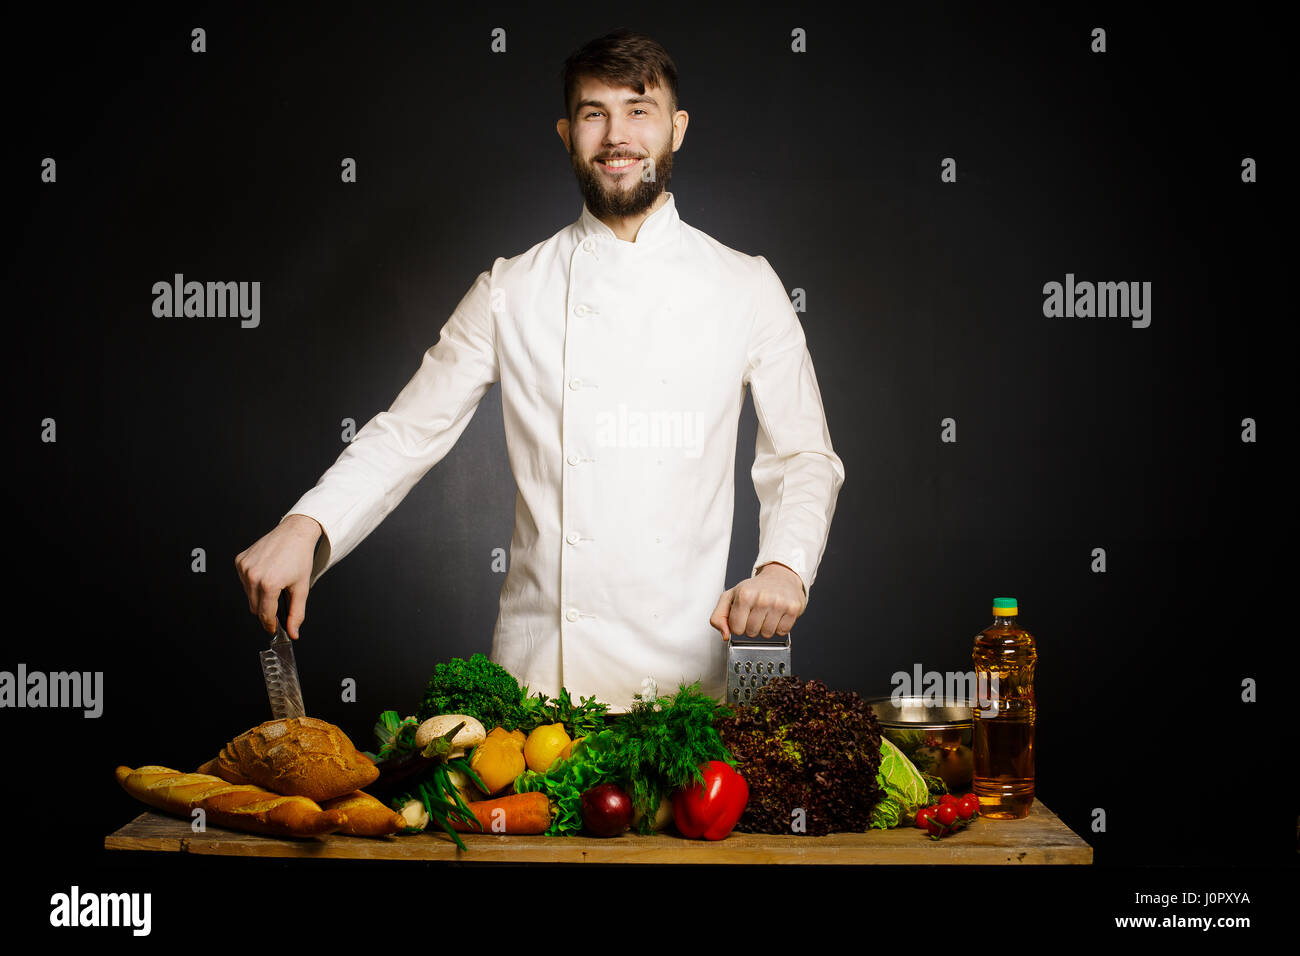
x=1039, y=838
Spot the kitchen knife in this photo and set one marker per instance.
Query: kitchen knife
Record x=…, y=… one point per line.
x=281, y=675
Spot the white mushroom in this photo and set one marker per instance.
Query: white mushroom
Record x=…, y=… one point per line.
x=471, y=735
x=416, y=817
x=460, y=780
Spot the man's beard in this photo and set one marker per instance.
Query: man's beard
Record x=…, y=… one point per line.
x=608, y=199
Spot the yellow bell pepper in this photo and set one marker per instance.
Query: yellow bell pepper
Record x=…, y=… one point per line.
x=498, y=760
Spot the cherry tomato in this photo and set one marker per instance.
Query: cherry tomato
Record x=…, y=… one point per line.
x=946, y=814
x=923, y=816
x=935, y=828
x=948, y=798
x=968, y=806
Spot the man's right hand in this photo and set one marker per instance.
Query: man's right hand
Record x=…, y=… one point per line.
x=280, y=560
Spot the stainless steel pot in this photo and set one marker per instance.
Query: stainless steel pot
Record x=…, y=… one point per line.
x=936, y=736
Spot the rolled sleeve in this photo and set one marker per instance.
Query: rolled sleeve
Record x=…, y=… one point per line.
x=796, y=473
x=396, y=448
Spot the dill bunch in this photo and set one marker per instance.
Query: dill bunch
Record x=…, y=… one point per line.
x=662, y=741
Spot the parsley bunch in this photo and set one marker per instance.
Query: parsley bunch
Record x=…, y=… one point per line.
x=486, y=691
x=581, y=719
x=476, y=687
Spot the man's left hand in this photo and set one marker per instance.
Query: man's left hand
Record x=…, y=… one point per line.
x=767, y=604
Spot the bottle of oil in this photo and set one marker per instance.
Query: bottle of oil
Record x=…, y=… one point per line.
x=1002, y=738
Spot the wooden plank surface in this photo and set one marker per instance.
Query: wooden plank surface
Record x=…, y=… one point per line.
x=1040, y=838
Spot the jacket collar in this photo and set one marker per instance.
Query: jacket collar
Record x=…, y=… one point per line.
x=660, y=227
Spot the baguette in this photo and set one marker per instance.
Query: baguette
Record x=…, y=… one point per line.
x=169, y=790
x=367, y=815
x=237, y=806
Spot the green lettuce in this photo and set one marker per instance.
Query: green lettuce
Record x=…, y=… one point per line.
x=905, y=789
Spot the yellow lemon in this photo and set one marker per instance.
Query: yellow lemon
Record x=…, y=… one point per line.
x=544, y=746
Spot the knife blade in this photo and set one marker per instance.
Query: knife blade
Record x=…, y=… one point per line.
x=280, y=671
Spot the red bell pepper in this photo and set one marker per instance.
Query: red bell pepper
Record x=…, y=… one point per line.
x=709, y=810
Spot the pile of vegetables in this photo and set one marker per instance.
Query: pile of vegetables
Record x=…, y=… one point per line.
x=810, y=755
x=661, y=743
x=801, y=757
x=658, y=747
x=424, y=773
x=590, y=764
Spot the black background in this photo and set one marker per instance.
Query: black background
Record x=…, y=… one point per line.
x=924, y=301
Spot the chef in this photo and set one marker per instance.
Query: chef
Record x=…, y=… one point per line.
x=623, y=346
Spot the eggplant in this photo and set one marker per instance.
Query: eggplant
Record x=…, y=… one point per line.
x=398, y=773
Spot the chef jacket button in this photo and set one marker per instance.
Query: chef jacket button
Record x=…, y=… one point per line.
x=572, y=537
x=572, y=615
x=575, y=383
x=581, y=310
x=572, y=459
x=589, y=245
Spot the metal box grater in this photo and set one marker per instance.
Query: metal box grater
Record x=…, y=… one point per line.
x=752, y=662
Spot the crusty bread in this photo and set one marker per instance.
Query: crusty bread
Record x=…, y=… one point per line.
x=246, y=807
x=295, y=756
x=167, y=789
x=237, y=806
x=367, y=815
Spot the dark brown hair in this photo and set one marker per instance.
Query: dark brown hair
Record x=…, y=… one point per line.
x=621, y=58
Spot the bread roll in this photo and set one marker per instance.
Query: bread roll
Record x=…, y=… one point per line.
x=237, y=806
x=367, y=815
x=295, y=756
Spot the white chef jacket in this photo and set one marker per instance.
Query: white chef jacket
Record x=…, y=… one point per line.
x=623, y=368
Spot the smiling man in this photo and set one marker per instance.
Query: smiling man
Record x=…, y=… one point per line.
x=623, y=346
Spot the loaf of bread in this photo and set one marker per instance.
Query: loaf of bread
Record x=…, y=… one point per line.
x=237, y=806
x=367, y=815
x=295, y=756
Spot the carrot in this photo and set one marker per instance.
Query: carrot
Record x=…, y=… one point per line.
x=518, y=813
